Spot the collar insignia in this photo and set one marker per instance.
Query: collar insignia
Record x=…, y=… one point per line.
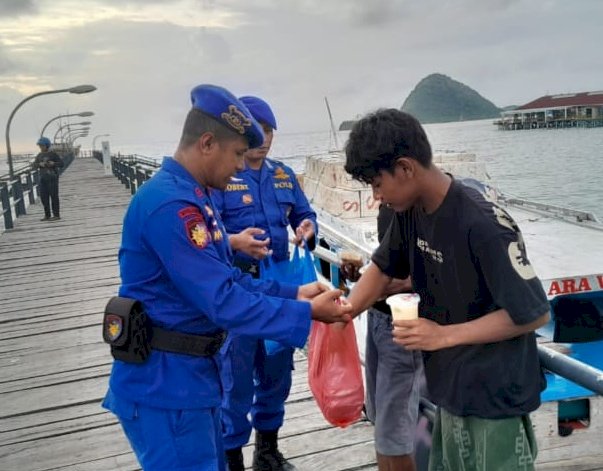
x=217, y=235
x=236, y=119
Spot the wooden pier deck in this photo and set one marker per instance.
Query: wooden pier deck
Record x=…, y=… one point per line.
x=55, y=279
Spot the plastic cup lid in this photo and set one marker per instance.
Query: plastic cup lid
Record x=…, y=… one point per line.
x=410, y=298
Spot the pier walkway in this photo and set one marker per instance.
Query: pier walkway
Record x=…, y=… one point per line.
x=55, y=279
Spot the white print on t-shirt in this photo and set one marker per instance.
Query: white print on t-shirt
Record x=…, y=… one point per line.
x=516, y=250
x=436, y=255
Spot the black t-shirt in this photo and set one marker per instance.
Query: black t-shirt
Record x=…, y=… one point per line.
x=468, y=259
x=384, y=220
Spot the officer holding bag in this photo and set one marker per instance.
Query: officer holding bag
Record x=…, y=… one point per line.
x=179, y=294
x=257, y=206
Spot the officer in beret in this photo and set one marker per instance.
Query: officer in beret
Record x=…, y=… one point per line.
x=175, y=259
x=257, y=207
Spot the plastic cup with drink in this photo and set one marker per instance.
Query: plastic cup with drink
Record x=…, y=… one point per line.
x=404, y=306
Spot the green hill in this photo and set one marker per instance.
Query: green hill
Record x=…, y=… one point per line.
x=347, y=125
x=439, y=99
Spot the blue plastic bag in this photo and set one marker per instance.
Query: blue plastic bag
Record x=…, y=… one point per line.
x=299, y=270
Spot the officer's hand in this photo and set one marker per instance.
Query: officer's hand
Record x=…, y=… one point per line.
x=245, y=242
x=304, y=231
x=309, y=291
x=329, y=307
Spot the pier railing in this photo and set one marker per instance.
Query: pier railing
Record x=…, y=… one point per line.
x=17, y=193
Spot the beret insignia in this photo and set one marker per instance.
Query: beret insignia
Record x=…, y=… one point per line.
x=236, y=119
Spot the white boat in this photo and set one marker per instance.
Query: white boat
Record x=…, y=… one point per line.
x=565, y=249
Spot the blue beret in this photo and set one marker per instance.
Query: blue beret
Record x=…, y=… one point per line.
x=227, y=109
x=260, y=110
x=44, y=141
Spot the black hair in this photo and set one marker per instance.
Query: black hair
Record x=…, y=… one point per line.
x=197, y=123
x=379, y=139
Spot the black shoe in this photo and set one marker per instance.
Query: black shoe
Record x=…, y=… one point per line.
x=45, y=218
x=54, y=218
x=270, y=460
x=234, y=460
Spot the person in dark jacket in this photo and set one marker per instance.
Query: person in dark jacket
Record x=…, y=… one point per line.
x=48, y=162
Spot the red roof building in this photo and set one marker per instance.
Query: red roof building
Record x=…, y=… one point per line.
x=583, y=109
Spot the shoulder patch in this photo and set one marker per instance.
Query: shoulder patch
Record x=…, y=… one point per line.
x=189, y=211
x=197, y=232
x=280, y=174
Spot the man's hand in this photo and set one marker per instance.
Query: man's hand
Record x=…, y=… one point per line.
x=329, y=307
x=245, y=242
x=304, y=231
x=309, y=291
x=420, y=334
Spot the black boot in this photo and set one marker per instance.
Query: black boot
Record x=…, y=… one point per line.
x=266, y=456
x=234, y=460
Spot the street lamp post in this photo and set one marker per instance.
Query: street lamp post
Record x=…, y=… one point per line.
x=68, y=126
x=83, y=114
x=69, y=135
x=68, y=139
x=94, y=140
x=78, y=90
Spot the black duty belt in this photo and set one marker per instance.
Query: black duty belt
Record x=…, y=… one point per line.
x=131, y=335
x=188, y=344
x=248, y=266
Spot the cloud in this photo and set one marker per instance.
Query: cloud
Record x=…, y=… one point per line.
x=10, y=8
x=145, y=56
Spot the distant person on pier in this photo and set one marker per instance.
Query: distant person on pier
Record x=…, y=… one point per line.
x=48, y=163
x=480, y=298
x=258, y=205
x=175, y=259
x=394, y=376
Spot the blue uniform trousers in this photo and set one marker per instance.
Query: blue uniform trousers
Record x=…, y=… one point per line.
x=170, y=439
x=255, y=383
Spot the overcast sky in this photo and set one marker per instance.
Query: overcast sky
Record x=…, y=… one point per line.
x=145, y=56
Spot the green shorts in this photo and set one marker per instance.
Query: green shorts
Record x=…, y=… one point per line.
x=476, y=444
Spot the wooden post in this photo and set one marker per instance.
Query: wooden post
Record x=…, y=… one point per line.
x=18, y=197
x=6, y=209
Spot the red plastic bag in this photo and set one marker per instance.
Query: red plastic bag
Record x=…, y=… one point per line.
x=334, y=373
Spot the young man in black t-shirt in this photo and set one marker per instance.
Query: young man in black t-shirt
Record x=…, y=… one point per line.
x=480, y=298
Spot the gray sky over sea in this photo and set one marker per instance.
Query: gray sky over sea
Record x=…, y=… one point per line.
x=145, y=56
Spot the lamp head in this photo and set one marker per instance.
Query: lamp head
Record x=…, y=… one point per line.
x=82, y=89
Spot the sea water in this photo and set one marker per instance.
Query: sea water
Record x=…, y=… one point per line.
x=560, y=166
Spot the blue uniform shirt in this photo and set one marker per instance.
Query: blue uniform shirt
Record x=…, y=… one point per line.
x=272, y=204
x=175, y=258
